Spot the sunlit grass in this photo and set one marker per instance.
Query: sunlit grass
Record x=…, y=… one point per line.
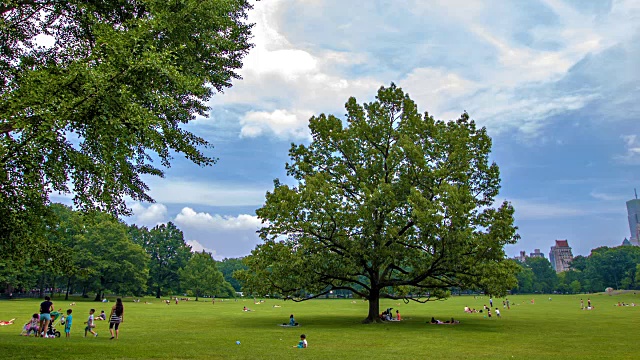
x=547, y=329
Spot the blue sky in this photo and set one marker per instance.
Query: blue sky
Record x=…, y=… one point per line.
x=556, y=83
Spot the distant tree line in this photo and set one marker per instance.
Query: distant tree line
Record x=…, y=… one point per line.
x=618, y=268
x=94, y=254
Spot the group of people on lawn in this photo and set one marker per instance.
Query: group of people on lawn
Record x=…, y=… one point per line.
x=39, y=323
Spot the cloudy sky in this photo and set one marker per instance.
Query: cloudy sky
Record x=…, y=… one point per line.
x=556, y=83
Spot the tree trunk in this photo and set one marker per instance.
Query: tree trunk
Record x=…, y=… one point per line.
x=53, y=287
x=66, y=296
x=98, y=296
x=158, y=293
x=41, y=289
x=374, y=308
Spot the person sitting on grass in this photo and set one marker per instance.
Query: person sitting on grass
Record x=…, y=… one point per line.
x=292, y=321
x=102, y=316
x=302, y=344
x=32, y=325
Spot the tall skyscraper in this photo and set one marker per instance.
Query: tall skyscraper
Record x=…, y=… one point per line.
x=560, y=256
x=633, y=211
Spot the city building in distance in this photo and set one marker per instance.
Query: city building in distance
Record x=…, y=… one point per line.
x=633, y=212
x=523, y=256
x=560, y=256
x=536, y=253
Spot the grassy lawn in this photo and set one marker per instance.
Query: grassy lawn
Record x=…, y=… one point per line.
x=547, y=329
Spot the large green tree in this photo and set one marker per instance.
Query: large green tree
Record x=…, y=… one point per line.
x=168, y=253
x=201, y=275
x=612, y=267
x=228, y=267
x=387, y=203
x=544, y=277
x=110, y=259
x=91, y=92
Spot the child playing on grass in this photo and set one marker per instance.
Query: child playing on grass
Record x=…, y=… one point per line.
x=67, y=324
x=32, y=325
x=90, y=324
x=302, y=344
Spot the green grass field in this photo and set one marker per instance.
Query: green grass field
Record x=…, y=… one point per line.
x=547, y=329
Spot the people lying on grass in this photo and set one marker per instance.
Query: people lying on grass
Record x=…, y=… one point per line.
x=276, y=306
x=302, y=344
x=244, y=308
x=440, y=322
x=10, y=322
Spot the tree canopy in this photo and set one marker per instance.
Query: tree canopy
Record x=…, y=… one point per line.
x=168, y=253
x=96, y=252
x=92, y=92
x=203, y=277
x=617, y=267
x=389, y=203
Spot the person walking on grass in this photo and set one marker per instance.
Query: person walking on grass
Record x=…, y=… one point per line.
x=90, y=324
x=116, y=317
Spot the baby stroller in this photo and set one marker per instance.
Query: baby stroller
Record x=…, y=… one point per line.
x=56, y=319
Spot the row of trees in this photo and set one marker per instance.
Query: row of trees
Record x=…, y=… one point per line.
x=617, y=267
x=96, y=253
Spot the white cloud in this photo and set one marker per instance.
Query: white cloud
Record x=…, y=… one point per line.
x=531, y=209
x=632, y=154
x=197, y=247
x=605, y=197
x=232, y=236
x=283, y=123
x=503, y=81
x=438, y=91
x=189, y=217
x=169, y=191
x=150, y=215
x=285, y=85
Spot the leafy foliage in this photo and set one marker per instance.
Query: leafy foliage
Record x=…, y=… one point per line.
x=202, y=276
x=617, y=267
x=391, y=204
x=88, y=113
x=228, y=267
x=168, y=253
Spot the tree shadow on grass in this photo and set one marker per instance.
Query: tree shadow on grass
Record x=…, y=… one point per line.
x=335, y=322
